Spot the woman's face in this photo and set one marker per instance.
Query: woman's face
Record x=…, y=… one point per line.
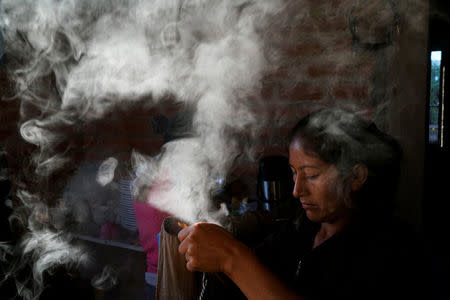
x=318, y=185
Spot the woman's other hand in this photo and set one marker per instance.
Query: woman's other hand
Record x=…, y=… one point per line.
x=208, y=248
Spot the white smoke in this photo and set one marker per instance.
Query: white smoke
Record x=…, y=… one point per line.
x=47, y=251
x=75, y=61
x=107, y=279
x=106, y=170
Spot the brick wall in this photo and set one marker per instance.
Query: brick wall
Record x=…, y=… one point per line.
x=319, y=67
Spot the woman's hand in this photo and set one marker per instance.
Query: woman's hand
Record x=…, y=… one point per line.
x=208, y=248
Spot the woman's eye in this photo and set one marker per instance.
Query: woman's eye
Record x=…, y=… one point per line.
x=311, y=176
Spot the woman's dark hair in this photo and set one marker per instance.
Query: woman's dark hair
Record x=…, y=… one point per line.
x=343, y=139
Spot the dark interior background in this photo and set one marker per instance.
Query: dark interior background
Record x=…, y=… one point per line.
x=437, y=161
x=320, y=72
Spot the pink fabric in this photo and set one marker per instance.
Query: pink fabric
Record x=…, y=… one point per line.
x=110, y=231
x=149, y=220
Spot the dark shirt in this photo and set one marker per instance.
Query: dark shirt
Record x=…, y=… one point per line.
x=365, y=261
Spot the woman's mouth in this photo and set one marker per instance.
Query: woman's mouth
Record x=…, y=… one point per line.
x=306, y=205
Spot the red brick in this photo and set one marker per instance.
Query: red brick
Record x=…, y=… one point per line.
x=366, y=68
x=275, y=150
x=282, y=132
x=342, y=44
x=268, y=132
x=279, y=73
x=303, y=92
x=331, y=69
x=262, y=150
x=323, y=24
x=245, y=169
x=286, y=113
x=305, y=49
x=269, y=90
x=321, y=70
x=325, y=70
x=342, y=3
x=350, y=92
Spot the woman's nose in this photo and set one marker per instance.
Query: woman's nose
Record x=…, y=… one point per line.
x=298, y=186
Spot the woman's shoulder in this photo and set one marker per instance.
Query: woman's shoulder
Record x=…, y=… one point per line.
x=394, y=251
x=394, y=231
x=384, y=257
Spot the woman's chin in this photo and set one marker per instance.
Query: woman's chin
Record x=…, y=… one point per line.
x=312, y=216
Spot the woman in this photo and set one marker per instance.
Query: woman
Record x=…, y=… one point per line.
x=346, y=246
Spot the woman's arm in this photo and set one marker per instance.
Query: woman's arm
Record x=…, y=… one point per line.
x=210, y=248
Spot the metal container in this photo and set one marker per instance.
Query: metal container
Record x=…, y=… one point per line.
x=275, y=184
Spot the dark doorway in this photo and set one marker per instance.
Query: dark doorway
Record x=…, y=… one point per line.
x=437, y=179
x=437, y=184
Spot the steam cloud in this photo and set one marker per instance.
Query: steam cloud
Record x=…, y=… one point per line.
x=106, y=171
x=75, y=61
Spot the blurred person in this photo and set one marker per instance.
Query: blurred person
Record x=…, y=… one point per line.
x=149, y=218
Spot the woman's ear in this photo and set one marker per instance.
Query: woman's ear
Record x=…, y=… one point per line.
x=360, y=174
